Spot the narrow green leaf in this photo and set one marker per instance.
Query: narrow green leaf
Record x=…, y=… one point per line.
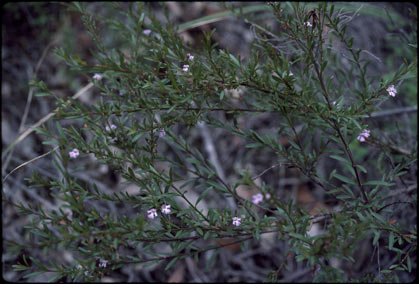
x=297, y=236
x=293, y=144
x=222, y=95
x=217, y=186
x=235, y=60
x=171, y=263
x=379, y=217
x=19, y=267
x=344, y=179
x=256, y=234
x=409, y=264
x=378, y=182
x=332, y=174
x=361, y=217
x=207, y=235
x=391, y=240
x=220, y=16
x=53, y=142
x=33, y=274
x=137, y=137
x=376, y=237
x=361, y=168
x=344, y=196
x=202, y=195
x=25, y=261
x=348, y=190
x=253, y=145
x=55, y=277
x=42, y=95
x=339, y=158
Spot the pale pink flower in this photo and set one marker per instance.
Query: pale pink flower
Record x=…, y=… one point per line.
x=185, y=68
x=147, y=32
x=236, y=221
x=391, y=91
x=257, y=198
x=152, y=213
x=267, y=196
x=74, y=153
x=363, y=135
x=97, y=77
x=113, y=126
x=165, y=209
x=162, y=133
x=190, y=57
x=103, y=263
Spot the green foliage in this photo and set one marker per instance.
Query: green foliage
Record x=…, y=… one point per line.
x=147, y=90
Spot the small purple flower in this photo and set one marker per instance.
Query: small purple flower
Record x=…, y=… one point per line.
x=74, y=153
x=79, y=266
x=363, y=135
x=391, y=91
x=308, y=24
x=97, y=77
x=267, y=195
x=165, y=209
x=190, y=57
x=290, y=74
x=103, y=263
x=257, y=198
x=162, y=133
x=185, y=68
x=86, y=272
x=113, y=126
x=236, y=221
x=152, y=213
x=147, y=32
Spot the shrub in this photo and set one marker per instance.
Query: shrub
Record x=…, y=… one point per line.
x=156, y=90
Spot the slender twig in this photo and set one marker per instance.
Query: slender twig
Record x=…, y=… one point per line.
x=29, y=99
x=91, y=113
x=216, y=175
x=393, y=203
x=395, y=111
x=28, y=162
x=43, y=120
x=398, y=192
x=334, y=122
x=270, y=168
x=184, y=254
x=209, y=146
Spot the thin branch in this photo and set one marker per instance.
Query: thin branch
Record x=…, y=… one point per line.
x=185, y=254
x=395, y=111
x=29, y=99
x=28, y=162
x=43, y=120
x=270, y=168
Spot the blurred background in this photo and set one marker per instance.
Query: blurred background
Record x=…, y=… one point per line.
x=31, y=31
